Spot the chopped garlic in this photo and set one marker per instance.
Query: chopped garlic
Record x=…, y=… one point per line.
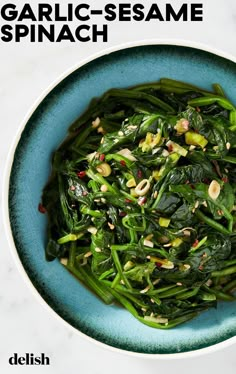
x=88, y=254
x=148, y=243
x=98, y=250
x=93, y=230
x=111, y=225
x=208, y=283
x=155, y=150
x=165, y=153
x=146, y=289
x=101, y=130
x=167, y=245
x=96, y=123
x=64, y=261
x=91, y=156
x=127, y=153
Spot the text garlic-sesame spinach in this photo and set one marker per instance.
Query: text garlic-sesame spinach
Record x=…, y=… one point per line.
x=141, y=200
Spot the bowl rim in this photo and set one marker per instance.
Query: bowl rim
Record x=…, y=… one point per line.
x=6, y=179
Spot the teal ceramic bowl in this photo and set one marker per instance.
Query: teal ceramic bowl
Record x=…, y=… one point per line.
x=29, y=168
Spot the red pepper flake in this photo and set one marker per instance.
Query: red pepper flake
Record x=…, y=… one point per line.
x=225, y=179
x=170, y=148
x=122, y=214
x=80, y=129
x=81, y=174
x=85, y=193
x=72, y=188
x=158, y=264
x=142, y=201
x=198, y=109
x=102, y=157
x=195, y=243
x=128, y=201
x=206, y=181
x=123, y=163
x=192, y=186
x=200, y=267
x=140, y=174
x=42, y=209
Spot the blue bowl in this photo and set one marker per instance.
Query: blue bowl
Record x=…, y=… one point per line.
x=43, y=132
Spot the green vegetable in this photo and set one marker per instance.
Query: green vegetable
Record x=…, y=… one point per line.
x=141, y=200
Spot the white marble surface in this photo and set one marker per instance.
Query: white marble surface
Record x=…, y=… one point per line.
x=25, y=324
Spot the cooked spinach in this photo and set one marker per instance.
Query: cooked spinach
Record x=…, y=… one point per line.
x=141, y=200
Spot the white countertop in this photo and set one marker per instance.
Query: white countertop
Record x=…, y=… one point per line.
x=25, y=324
